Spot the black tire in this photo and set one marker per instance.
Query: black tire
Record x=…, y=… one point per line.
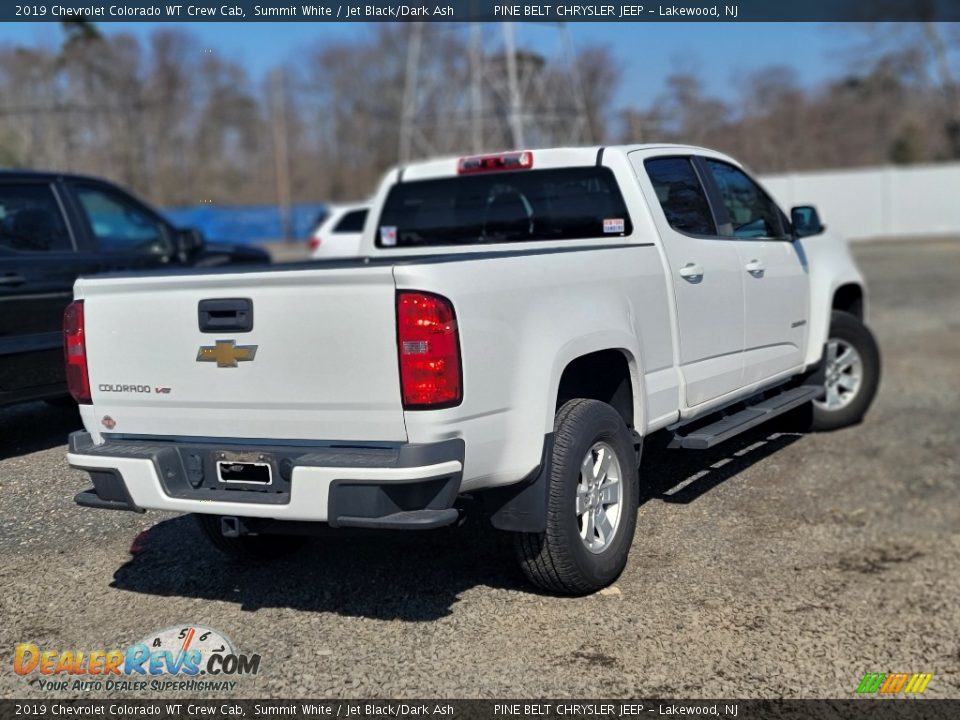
x=558, y=560
x=248, y=547
x=850, y=329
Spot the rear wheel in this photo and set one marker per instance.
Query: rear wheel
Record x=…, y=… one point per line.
x=248, y=547
x=851, y=374
x=592, y=504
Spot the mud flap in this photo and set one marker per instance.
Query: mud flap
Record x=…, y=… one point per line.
x=522, y=507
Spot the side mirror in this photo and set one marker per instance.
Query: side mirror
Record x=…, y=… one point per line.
x=190, y=242
x=806, y=221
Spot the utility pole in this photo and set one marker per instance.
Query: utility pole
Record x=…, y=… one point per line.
x=499, y=93
x=409, y=126
x=513, y=89
x=281, y=153
x=476, y=88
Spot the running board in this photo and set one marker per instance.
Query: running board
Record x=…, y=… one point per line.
x=751, y=416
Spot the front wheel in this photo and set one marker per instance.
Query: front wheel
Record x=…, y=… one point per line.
x=592, y=503
x=851, y=374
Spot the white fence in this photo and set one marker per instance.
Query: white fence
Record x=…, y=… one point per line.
x=877, y=202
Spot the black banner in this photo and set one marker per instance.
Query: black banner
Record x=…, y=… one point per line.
x=859, y=709
x=483, y=10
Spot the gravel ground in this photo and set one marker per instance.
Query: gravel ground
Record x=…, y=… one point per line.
x=790, y=566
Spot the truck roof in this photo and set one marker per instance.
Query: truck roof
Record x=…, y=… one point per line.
x=555, y=157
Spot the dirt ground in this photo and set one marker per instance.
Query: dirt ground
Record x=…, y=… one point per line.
x=788, y=566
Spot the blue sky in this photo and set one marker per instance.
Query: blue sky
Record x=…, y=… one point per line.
x=721, y=53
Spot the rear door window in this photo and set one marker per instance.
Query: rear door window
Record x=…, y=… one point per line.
x=516, y=206
x=681, y=195
x=31, y=219
x=352, y=222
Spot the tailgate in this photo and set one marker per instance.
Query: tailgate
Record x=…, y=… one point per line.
x=320, y=362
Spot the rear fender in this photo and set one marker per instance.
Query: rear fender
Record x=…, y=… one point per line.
x=623, y=343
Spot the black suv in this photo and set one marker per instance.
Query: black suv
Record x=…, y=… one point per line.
x=54, y=228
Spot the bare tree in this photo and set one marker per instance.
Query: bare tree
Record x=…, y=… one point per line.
x=181, y=124
x=599, y=76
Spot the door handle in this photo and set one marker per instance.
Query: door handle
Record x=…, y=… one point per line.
x=692, y=272
x=755, y=268
x=12, y=280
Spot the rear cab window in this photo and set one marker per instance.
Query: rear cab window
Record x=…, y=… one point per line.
x=513, y=206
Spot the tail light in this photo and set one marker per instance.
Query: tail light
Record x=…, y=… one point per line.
x=314, y=242
x=75, y=353
x=429, y=348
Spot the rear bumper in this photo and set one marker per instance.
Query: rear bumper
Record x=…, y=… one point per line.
x=395, y=486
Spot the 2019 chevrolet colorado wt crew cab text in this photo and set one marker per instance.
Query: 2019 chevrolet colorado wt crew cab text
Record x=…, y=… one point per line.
x=517, y=325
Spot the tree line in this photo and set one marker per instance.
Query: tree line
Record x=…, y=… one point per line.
x=178, y=123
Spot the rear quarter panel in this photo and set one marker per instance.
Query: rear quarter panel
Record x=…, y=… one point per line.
x=522, y=319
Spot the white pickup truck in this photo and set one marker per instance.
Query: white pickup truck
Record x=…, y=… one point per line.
x=516, y=326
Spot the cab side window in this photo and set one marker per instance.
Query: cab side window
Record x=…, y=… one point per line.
x=121, y=225
x=31, y=219
x=681, y=195
x=751, y=211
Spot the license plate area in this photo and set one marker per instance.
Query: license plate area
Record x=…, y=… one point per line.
x=199, y=472
x=245, y=472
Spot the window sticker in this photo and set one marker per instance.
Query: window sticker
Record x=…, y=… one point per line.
x=613, y=225
x=388, y=234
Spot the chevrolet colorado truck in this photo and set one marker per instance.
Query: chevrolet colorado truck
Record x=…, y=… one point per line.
x=517, y=324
